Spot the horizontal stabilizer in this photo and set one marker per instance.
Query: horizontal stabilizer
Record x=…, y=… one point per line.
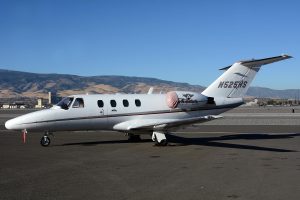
x=260, y=62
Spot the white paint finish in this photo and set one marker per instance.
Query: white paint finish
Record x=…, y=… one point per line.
x=236, y=80
x=153, y=114
x=159, y=136
x=153, y=111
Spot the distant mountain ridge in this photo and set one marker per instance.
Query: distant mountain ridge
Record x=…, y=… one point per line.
x=25, y=84
x=15, y=83
x=261, y=92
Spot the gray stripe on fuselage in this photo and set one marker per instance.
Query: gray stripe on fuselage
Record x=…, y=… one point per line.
x=142, y=113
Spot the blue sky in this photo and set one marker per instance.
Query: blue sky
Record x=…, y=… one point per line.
x=184, y=41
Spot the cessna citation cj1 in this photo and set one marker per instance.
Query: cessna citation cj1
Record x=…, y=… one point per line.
x=136, y=114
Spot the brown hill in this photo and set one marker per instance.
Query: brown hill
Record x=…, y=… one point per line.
x=14, y=84
x=23, y=84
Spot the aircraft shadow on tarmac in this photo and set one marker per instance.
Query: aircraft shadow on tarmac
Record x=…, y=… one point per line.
x=175, y=140
x=215, y=141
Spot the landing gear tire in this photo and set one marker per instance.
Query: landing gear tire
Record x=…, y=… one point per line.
x=45, y=141
x=162, y=143
x=134, y=138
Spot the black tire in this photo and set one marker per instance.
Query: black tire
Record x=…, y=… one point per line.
x=164, y=142
x=45, y=141
x=161, y=143
x=134, y=138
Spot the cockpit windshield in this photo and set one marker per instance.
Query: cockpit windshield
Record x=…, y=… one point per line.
x=65, y=103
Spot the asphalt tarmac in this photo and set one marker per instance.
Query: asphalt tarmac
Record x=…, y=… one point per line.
x=201, y=162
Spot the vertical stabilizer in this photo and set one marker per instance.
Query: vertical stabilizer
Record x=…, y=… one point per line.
x=236, y=80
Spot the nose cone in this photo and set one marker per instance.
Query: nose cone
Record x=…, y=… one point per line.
x=28, y=121
x=10, y=124
x=20, y=123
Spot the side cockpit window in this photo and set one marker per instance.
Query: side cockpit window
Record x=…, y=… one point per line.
x=65, y=103
x=78, y=103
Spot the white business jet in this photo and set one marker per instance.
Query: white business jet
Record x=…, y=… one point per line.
x=136, y=114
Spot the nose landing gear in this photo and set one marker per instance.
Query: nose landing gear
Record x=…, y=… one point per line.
x=45, y=140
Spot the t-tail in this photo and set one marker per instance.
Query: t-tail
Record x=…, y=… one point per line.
x=236, y=79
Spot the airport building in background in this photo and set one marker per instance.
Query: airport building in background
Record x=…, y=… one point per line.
x=39, y=103
x=53, y=98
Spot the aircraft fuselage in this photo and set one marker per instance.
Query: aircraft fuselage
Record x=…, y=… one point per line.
x=99, y=112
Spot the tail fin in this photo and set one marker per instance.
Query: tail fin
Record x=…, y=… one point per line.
x=235, y=81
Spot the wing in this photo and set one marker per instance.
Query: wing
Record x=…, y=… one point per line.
x=160, y=124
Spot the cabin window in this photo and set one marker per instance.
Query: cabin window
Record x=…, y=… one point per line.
x=125, y=103
x=65, y=103
x=137, y=102
x=78, y=103
x=113, y=103
x=100, y=103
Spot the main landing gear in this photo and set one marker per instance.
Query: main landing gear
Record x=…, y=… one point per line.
x=134, y=138
x=45, y=140
x=159, y=138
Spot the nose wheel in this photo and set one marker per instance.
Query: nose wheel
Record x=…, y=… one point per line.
x=45, y=140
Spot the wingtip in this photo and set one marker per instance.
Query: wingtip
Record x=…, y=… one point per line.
x=280, y=57
x=286, y=56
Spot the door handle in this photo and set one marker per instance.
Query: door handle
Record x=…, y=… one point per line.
x=114, y=110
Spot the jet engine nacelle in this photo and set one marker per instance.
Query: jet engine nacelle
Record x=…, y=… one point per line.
x=183, y=99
